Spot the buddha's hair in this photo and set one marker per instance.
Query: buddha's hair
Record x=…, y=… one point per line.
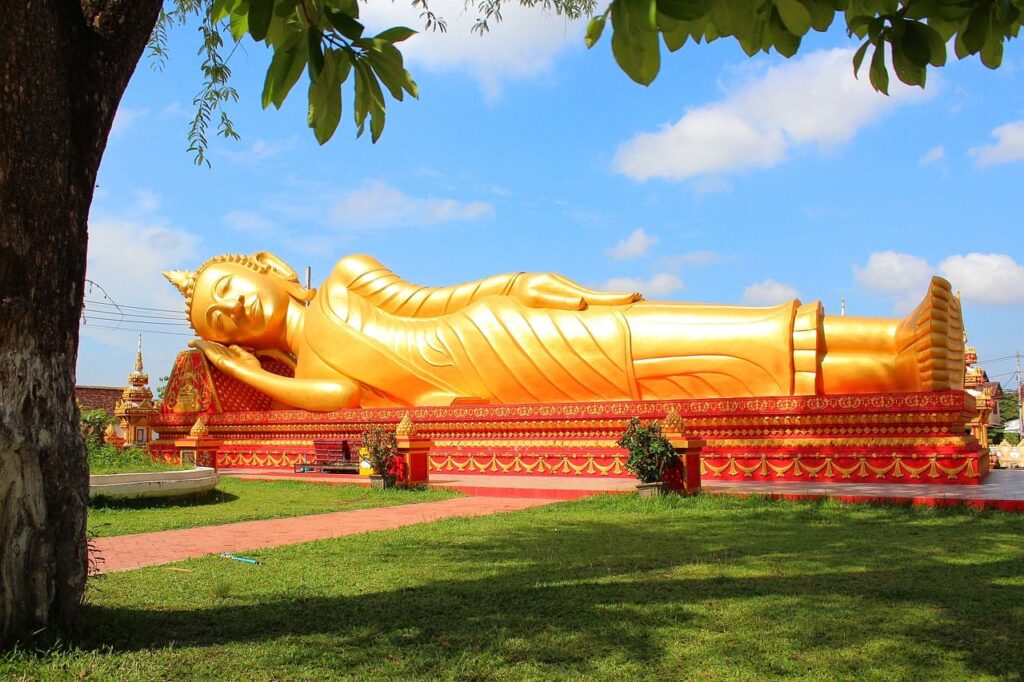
x=261, y=262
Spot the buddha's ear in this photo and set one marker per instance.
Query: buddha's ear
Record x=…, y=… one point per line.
x=278, y=266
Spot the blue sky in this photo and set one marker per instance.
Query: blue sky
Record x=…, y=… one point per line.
x=729, y=180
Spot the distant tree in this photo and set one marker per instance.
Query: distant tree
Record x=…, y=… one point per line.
x=93, y=424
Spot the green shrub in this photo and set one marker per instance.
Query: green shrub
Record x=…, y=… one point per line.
x=381, y=447
x=649, y=450
x=92, y=424
x=105, y=458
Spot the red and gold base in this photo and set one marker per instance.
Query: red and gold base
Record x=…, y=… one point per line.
x=898, y=437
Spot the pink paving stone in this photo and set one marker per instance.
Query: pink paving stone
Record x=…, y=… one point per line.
x=127, y=552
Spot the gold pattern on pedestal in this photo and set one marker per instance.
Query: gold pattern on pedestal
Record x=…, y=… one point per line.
x=673, y=422
x=136, y=406
x=368, y=338
x=199, y=429
x=405, y=427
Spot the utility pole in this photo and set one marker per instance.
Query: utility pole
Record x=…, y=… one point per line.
x=1020, y=403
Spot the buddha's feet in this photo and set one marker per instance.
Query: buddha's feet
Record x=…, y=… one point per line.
x=930, y=342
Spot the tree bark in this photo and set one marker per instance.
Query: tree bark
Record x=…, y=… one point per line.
x=63, y=68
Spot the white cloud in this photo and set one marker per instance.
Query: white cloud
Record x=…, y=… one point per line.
x=769, y=292
x=633, y=246
x=814, y=100
x=249, y=221
x=890, y=272
x=932, y=155
x=1009, y=146
x=124, y=119
x=259, y=150
x=988, y=278
x=125, y=257
x=523, y=45
x=661, y=284
x=984, y=278
x=378, y=204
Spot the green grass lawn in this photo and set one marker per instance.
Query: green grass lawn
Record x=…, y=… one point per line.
x=609, y=588
x=238, y=500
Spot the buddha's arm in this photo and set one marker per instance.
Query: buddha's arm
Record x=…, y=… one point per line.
x=367, y=277
x=306, y=394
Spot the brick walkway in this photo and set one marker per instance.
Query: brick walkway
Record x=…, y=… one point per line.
x=126, y=552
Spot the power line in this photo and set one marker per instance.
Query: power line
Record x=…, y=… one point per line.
x=107, y=311
x=121, y=319
x=136, y=307
x=144, y=331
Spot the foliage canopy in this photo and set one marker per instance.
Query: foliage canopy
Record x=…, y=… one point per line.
x=327, y=40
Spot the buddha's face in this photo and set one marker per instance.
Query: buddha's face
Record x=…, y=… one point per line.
x=233, y=304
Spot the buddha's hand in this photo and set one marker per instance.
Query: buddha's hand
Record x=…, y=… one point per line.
x=544, y=290
x=231, y=360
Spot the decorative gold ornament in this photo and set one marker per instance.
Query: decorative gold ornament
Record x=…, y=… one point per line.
x=405, y=427
x=199, y=429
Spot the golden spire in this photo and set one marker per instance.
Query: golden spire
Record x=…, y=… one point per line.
x=138, y=356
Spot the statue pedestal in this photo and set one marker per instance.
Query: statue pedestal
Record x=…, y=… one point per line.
x=201, y=451
x=683, y=476
x=411, y=463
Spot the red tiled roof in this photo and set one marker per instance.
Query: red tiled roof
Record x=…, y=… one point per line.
x=96, y=397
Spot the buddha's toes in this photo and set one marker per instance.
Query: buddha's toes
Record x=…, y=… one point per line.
x=930, y=341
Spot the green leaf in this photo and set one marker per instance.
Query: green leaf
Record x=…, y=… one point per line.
x=675, y=33
x=386, y=61
x=915, y=43
x=936, y=44
x=316, y=54
x=976, y=32
x=992, y=51
x=285, y=68
x=396, y=34
x=906, y=69
x=260, y=13
x=344, y=24
x=684, y=10
x=858, y=57
x=635, y=39
x=239, y=22
x=785, y=42
x=362, y=96
x=878, y=73
x=222, y=8
x=794, y=15
x=823, y=12
x=595, y=27
x=325, y=98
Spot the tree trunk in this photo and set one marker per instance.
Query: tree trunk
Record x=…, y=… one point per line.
x=63, y=68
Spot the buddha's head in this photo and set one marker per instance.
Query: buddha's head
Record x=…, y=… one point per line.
x=244, y=300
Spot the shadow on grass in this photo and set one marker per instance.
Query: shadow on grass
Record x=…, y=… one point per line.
x=191, y=500
x=673, y=590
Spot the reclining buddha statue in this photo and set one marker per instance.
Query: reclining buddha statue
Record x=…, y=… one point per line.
x=368, y=338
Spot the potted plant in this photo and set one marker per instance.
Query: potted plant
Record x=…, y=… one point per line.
x=649, y=453
x=381, y=447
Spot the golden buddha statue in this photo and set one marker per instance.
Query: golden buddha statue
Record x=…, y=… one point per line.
x=368, y=338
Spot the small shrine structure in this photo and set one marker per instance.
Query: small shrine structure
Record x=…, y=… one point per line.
x=136, y=408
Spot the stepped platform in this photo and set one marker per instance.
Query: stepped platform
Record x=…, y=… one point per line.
x=905, y=438
x=1002, y=489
